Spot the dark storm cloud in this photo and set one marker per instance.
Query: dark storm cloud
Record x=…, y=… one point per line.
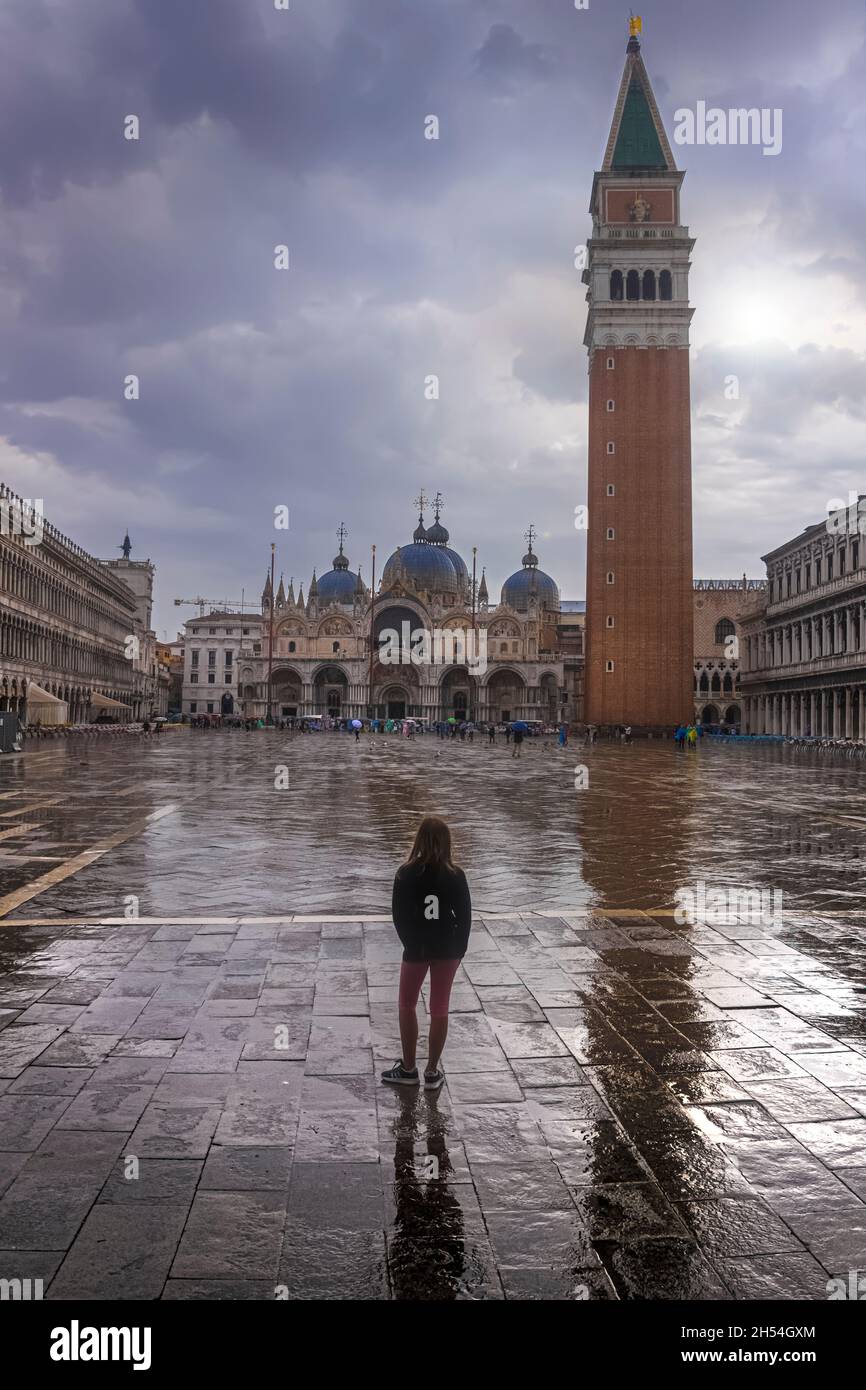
x=505, y=60
x=409, y=257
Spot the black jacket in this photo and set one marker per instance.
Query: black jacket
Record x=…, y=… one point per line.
x=432, y=912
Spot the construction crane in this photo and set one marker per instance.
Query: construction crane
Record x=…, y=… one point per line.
x=202, y=603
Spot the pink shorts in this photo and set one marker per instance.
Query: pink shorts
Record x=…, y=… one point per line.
x=442, y=974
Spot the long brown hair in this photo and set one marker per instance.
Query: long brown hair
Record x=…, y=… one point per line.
x=432, y=847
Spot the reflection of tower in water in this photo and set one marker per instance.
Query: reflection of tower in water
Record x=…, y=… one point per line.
x=635, y=820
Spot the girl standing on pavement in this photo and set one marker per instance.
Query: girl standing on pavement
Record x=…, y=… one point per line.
x=432, y=913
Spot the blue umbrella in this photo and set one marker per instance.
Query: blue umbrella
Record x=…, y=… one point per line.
x=356, y=724
x=520, y=726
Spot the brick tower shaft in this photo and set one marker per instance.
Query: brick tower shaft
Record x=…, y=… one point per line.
x=639, y=651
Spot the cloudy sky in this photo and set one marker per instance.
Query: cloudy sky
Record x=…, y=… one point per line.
x=305, y=387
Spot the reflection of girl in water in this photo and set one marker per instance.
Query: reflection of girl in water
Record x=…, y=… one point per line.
x=427, y=1254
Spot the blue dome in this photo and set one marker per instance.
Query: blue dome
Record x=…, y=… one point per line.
x=459, y=567
x=438, y=535
x=427, y=567
x=530, y=582
x=337, y=586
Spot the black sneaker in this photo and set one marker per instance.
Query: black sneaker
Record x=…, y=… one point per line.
x=400, y=1075
x=433, y=1080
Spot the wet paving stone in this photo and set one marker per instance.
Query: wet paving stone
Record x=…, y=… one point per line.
x=231, y=1234
x=550, y=1239
x=457, y=1270
x=78, y=1050
x=801, y=1099
x=171, y=1180
x=45, y=1204
x=736, y=1226
x=123, y=1251
x=838, y=1143
x=25, y=1120
x=216, y=1290
x=623, y=1211
x=756, y=1064
x=333, y=1264
x=662, y=1268
x=175, y=1131
x=796, y=1276
x=244, y=1169
x=21, y=1046
x=515, y=1187
x=340, y=1135
x=106, y=1107
x=684, y=1105
x=51, y=1081
x=546, y=1284
x=836, y=1236
x=337, y=1196
x=10, y=1166
x=480, y=1087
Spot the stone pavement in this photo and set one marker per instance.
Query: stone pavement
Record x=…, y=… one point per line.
x=634, y=1109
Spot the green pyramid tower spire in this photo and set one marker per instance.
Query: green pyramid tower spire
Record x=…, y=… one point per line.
x=637, y=137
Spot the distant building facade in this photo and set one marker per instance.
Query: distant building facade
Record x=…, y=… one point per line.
x=150, y=674
x=66, y=624
x=717, y=606
x=804, y=650
x=223, y=664
x=330, y=653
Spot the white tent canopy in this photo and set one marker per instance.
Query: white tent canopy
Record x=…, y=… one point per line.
x=100, y=701
x=45, y=708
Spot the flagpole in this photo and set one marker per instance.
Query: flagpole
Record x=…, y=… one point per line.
x=271, y=638
x=372, y=610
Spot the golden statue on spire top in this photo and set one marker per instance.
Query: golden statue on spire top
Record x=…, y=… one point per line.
x=635, y=25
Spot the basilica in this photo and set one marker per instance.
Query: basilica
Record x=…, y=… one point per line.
x=324, y=654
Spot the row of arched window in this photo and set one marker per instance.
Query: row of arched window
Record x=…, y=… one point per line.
x=633, y=285
x=704, y=684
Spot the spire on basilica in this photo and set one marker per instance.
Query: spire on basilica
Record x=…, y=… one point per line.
x=314, y=586
x=530, y=560
x=482, y=587
x=340, y=561
x=290, y=596
x=281, y=594
x=419, y=535
x=437, y=534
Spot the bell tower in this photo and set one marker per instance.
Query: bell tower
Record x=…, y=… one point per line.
x=639, y=646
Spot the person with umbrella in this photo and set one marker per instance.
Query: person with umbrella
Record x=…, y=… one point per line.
x=518, y=729
x=357, y=726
